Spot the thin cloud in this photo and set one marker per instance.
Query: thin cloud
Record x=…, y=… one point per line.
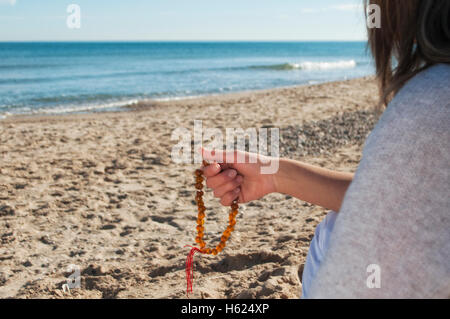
x=310, y=10
x=12, y=18
x=10, y=2
x=347, y=7
x=340, y=7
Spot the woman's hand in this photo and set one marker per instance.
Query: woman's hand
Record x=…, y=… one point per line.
x=231, y=179
x=239, y=176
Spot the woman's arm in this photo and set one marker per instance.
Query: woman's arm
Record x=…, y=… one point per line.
x=313, y=184
x=231, y=180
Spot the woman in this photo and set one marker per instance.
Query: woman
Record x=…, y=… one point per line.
x=388, y=234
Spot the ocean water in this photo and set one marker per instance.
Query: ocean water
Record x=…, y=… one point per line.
x=53, y=78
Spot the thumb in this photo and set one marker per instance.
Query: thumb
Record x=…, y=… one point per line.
x=218, y=156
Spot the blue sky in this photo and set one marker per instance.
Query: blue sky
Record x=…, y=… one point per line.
x=34, y=20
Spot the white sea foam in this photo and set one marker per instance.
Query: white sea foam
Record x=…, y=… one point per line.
x=177, y=98
x=82, y=108
x=326, y=65
x=309, y=65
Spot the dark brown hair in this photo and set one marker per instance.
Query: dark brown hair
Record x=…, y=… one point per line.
x=414, y=34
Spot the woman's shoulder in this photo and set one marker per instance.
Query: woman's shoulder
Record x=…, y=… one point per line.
x=420, y=112
x=410, y=144
x=427, y=90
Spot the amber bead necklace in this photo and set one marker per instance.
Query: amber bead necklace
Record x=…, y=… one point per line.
x=201, y=228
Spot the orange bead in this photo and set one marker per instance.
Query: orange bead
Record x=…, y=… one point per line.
x=207, y=251
x=234, y=206
x=233, y=222
x=200, y=228
x=219, y=249
x=200, y=193
x=214, y=251
x=227, y=232
x=199, y=179
x=200, y=234
x=198, y=172
x=202, y=244
x=200, y=221
x=201, y=215
x=231, y=217
x=201, y=209
x=199, y=185
x=222, y=244
x=224, y=238
x=198, y=239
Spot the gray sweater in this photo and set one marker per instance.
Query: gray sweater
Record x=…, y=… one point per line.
x=396, y=213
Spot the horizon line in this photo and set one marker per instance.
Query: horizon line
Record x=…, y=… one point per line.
x=228, y=40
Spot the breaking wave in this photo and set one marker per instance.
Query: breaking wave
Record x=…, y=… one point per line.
x=347, y=64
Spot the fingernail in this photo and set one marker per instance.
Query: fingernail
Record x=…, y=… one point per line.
x=239, y=179
x=237, y=190
x=232, y=173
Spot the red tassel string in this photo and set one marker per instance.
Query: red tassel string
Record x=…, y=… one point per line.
x=190, y=268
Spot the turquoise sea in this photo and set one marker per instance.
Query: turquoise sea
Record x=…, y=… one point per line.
x=63, y=77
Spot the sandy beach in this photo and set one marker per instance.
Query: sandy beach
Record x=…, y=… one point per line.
x=100, y=191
